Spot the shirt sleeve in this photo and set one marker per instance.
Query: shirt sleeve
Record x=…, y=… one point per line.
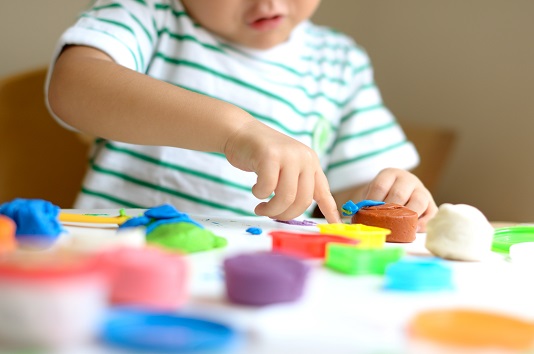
x=126, y=30
x=369, y=137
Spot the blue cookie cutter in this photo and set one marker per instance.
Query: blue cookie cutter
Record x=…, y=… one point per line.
x=138, y=329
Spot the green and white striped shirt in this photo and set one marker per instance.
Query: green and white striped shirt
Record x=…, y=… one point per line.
x=317, y=87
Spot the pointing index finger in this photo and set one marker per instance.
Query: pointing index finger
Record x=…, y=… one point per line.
x=325, y=200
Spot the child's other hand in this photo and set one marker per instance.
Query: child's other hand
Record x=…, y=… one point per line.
x=398, y=186
x=285, y=167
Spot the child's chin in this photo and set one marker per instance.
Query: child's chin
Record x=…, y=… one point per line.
x=265, y=41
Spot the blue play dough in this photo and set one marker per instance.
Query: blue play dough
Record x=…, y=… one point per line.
x=33, y=217
x=165, y=211
x=254, y=230
x=349, y=208
x=134, y=222
x=156, y=216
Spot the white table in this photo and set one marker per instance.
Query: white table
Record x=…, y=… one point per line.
x=338, y=313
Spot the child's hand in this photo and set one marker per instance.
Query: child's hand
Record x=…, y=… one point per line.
x=284, y=166
x=398, y=186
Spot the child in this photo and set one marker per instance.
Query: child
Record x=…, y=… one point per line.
x=208, y=105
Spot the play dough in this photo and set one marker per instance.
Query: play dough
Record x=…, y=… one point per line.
x=7, y=234
x=184, y=237
x=264, y=278
x=173, y=230
x=400, y=220
x=146, y=277
x=37, y=223
x=35, y=217
x=459, y=232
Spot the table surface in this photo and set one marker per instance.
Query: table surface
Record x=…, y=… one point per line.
x=338, y=313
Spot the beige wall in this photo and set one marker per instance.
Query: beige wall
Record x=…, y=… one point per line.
x=463, y=64
x=30, y=28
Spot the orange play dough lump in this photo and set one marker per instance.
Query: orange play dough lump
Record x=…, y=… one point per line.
x=7, y=234
x=470, y=328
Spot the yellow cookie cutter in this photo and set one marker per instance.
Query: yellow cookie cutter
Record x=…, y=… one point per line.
x=369, y=236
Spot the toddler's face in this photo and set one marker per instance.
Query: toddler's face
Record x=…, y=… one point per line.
x=259, y=24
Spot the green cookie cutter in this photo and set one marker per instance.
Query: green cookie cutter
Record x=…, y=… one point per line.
x=504, y=237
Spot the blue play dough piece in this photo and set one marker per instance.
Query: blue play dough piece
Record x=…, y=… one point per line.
x=418, y=275
x=165, y=211
x=349, y=208
x=134, y=222
x=156, y=216
x=33, y=217
x=254, y=230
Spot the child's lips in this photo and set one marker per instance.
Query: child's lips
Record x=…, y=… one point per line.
x=266, y=23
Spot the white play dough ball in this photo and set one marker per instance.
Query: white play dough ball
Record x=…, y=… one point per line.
x=459, y=232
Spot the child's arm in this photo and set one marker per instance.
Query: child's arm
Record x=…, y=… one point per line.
x=398, y=186
x=101, y=98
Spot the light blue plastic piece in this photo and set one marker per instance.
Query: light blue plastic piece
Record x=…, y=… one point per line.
x=415, y=274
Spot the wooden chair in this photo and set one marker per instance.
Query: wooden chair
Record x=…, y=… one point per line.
x=38, y=158
x=435, y=145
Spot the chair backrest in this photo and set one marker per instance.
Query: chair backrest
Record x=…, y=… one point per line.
x=435, y=145
x=38, y=158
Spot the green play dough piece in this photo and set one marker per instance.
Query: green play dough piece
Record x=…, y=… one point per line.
x=185, y=237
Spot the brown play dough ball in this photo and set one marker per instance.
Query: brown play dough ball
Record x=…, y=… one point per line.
x=400, y=220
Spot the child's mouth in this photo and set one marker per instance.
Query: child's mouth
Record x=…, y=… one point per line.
x=266, y=23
